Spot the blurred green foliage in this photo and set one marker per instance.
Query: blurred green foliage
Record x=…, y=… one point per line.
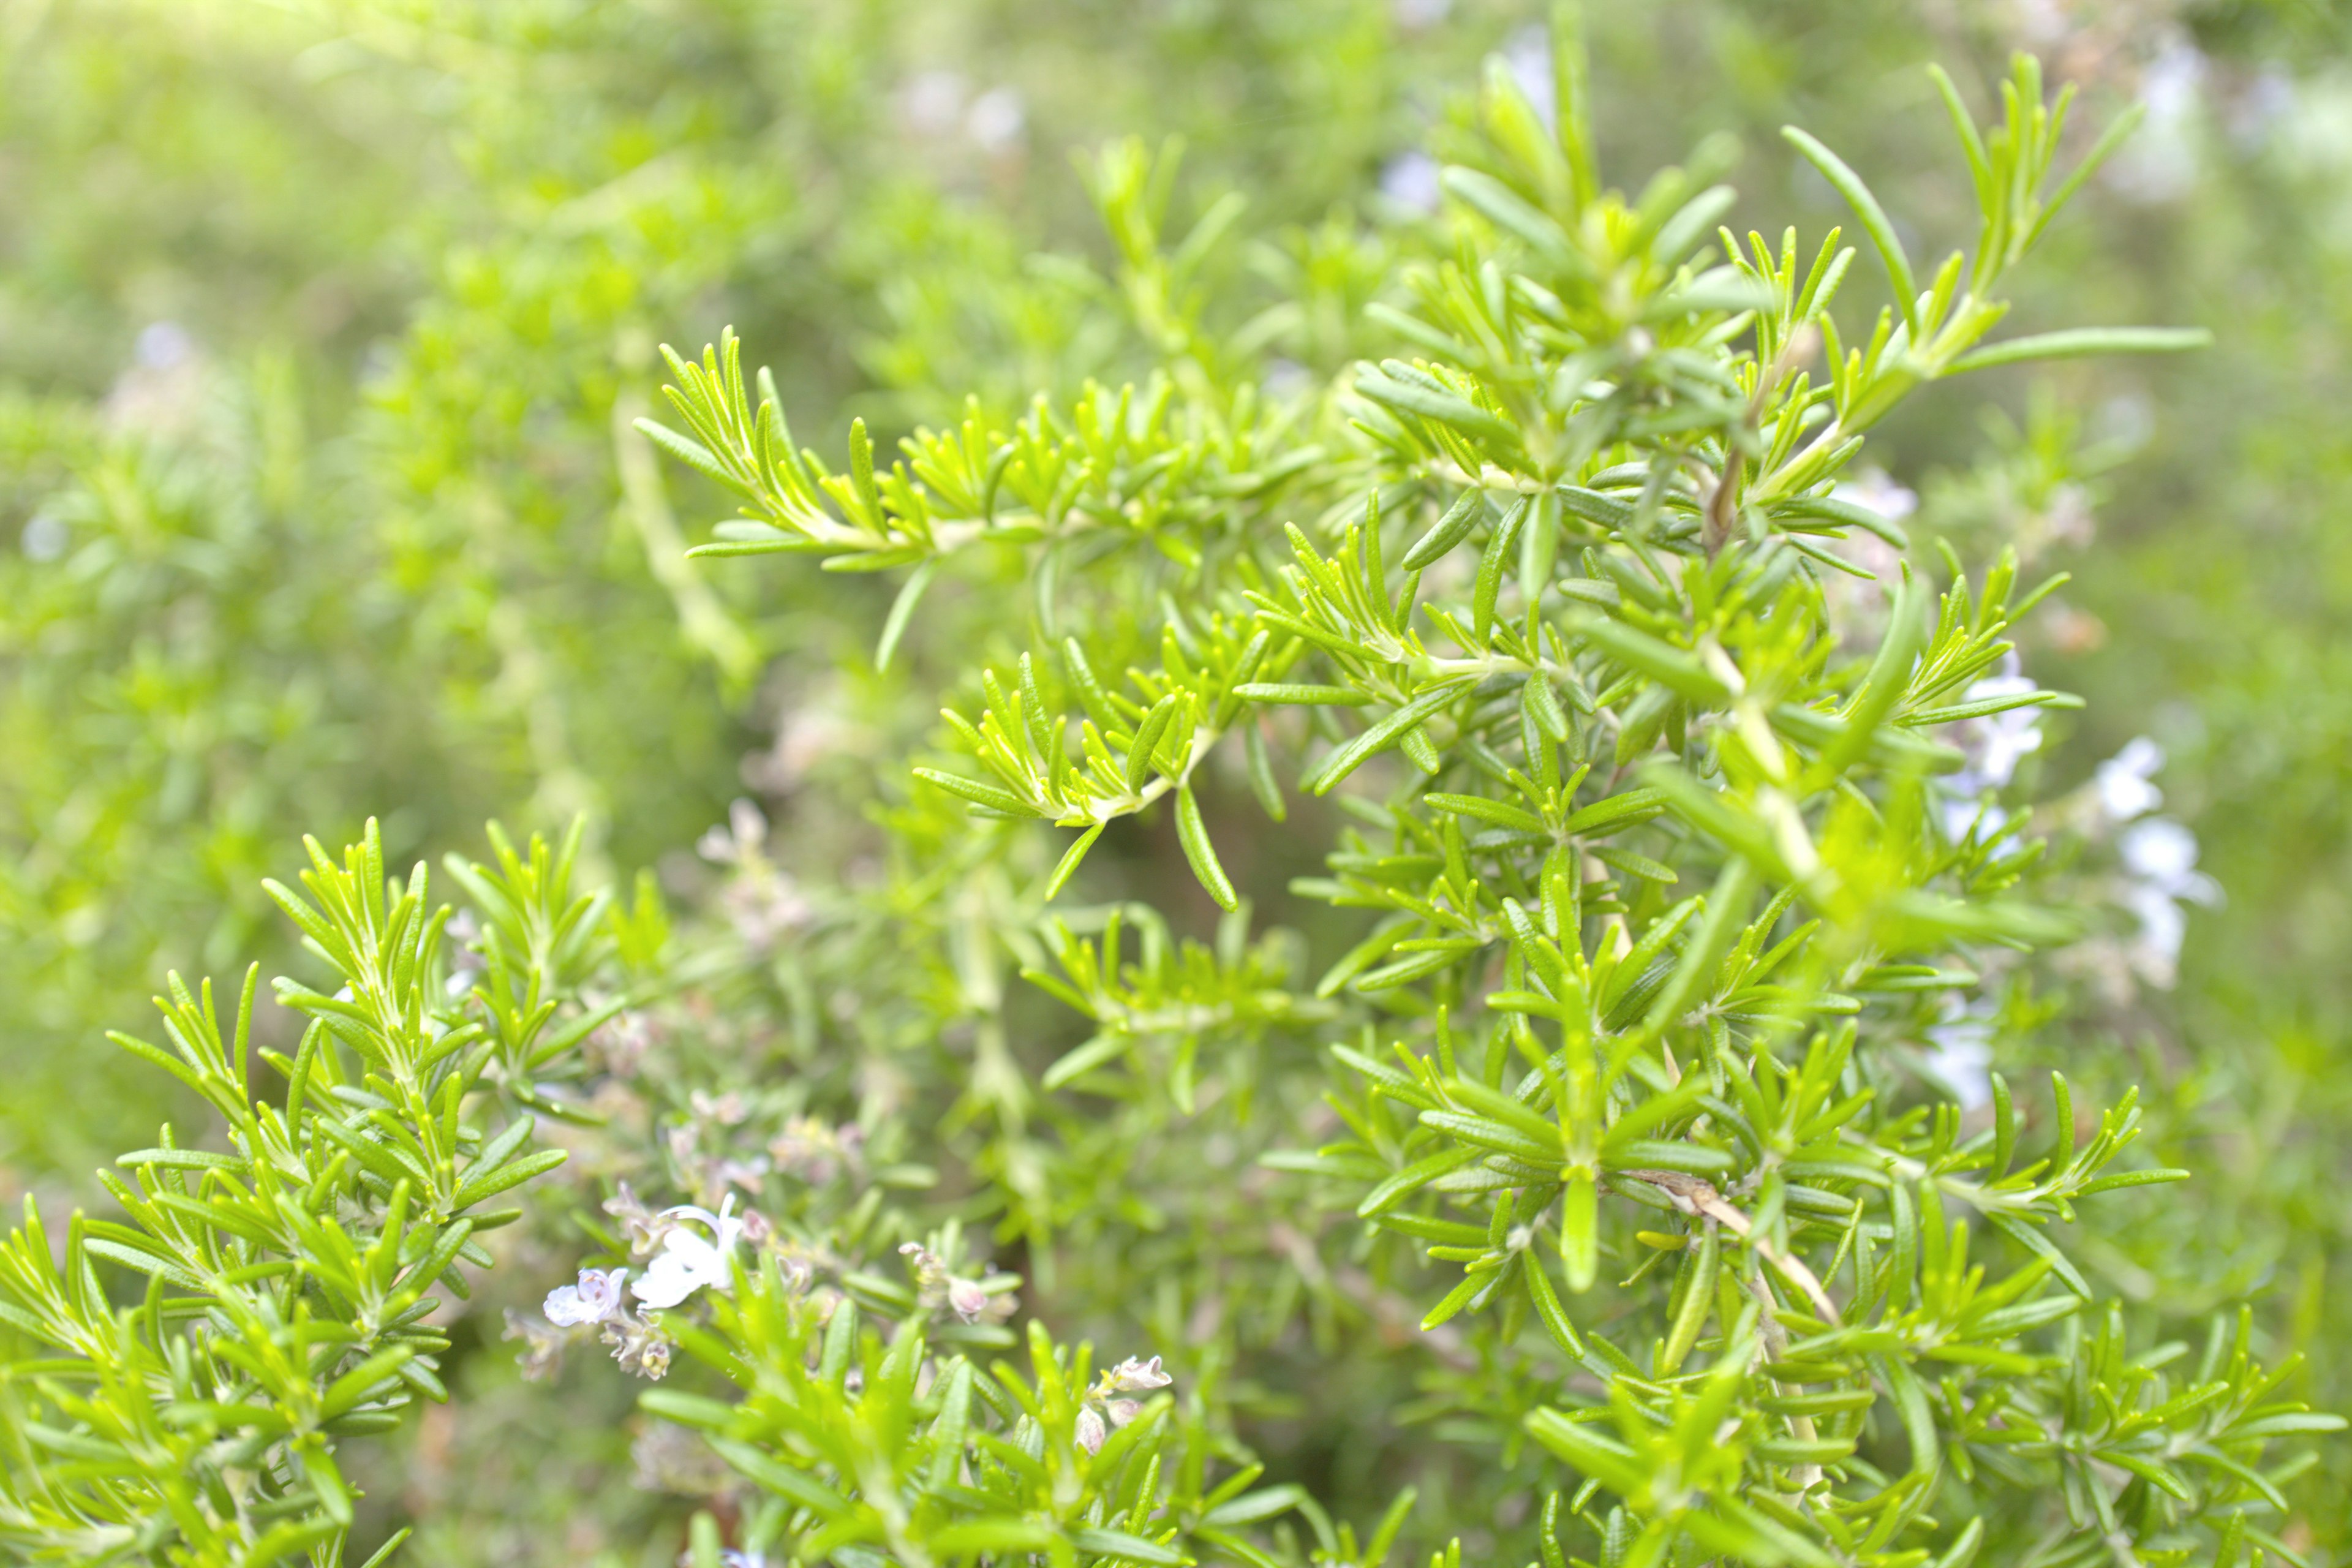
x=322, y=327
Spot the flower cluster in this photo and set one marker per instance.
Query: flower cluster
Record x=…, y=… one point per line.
x=761, y=900
x=2160, y=860
x=691, y=1249
x=813, y=1150
x=1109, y=1404
x=936, y=1287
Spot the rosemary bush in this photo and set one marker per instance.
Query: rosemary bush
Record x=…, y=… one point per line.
x=1640, y=800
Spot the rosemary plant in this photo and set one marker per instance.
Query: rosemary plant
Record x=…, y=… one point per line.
x=1650, y=770
x=285, y=1298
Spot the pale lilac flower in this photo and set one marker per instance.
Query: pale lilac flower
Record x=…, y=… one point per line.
x=1286, y=380
x=466, y=961
x=1993, y=746
x=595, y=1299
x=162, y=390
x=1997, y=742
x=46, y=537
x=1879, y=491
x=164, y=345
x=2160, y=873
x=1091, y=1430
x=1528, y=55
x=687, y=1261
x=1409, y=180
x=2160, y=163
x=2124, y=780
x=1961, y=1054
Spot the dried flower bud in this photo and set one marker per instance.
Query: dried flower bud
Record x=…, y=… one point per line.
x=643, y=1226
x=542, y=1345
x=641, y=1348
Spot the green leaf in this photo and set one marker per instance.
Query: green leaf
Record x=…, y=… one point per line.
x=1875, y=222
x=979, y=794
x=902, y=610
x=1119, y=1544
x=1463, y=516
x=793, y=1485
x=1580, y=1232
x=1446, y=408
x=1072, y=859
x=2082, y=342
x=1195, y=834
x=1382, y=735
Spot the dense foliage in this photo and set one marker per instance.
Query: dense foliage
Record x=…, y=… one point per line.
x=1471, y=917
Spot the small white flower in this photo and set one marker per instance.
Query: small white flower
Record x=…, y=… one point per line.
x=1133, y=1376
x=595, y=1299
x=2123, y=781
x=687, y=1261
x=1091, y=1430
x=2162, y=852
